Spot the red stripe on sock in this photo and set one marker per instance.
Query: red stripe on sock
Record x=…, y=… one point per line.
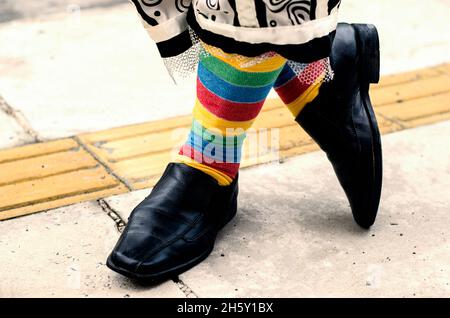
x=230, y=169
x=293, y=88
x=226, y=109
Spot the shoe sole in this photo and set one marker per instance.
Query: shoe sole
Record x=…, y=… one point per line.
x=369, y=70
x=172, y=273
x=160, y=277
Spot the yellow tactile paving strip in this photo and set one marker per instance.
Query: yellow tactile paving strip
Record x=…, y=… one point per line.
x=89, y=166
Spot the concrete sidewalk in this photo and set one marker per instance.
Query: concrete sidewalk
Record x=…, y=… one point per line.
x=319, y=251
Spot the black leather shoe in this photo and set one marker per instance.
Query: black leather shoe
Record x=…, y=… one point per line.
x=342, y=121
x=175, y=227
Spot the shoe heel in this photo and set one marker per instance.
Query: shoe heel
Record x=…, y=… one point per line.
x=229, y=211
x=369, y=52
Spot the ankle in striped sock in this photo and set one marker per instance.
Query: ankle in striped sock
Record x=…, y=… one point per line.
x=295, y=90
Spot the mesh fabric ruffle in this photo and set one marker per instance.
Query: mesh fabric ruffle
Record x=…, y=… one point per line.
x=184, y=65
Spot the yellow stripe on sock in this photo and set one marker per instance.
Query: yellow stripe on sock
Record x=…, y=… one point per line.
x=246, y=64
x=212, y=122
x=222, y=178
x=307, y=97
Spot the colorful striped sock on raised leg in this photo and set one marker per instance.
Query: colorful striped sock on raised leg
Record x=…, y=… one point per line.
x=229, y=97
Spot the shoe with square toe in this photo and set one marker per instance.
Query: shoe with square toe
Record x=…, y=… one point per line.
x=175, y=227
x=342, y=121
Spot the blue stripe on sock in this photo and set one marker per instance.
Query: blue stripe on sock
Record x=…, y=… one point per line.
x=231, y=92
x=285, y=76
x=219, y=153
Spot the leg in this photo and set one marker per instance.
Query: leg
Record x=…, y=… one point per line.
x=229, y=98
x=339, y=116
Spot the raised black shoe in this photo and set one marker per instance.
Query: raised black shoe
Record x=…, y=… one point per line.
x=342, y=121
x=175, y=227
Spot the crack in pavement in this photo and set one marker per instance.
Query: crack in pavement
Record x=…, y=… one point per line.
x=20, y=119
x=187, y=291
x=120, y=223
x=103, y=164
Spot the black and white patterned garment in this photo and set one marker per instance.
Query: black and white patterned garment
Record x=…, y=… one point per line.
x=302, y=31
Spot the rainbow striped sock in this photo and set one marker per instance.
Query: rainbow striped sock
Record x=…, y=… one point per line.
x=297, y=90
x=229, y=97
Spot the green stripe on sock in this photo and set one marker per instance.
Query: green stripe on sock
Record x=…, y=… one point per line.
x=237, y=77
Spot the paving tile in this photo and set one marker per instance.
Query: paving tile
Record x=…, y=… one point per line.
x=36, y=177
x=51, y=164
x=418, y=108
x=411, y=90
x=406, y=77
x=62, y=253
x=428, y=120
x=36, y=150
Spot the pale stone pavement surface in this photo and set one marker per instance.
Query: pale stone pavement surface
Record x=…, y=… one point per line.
x=76, y=71
x=293, y=236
